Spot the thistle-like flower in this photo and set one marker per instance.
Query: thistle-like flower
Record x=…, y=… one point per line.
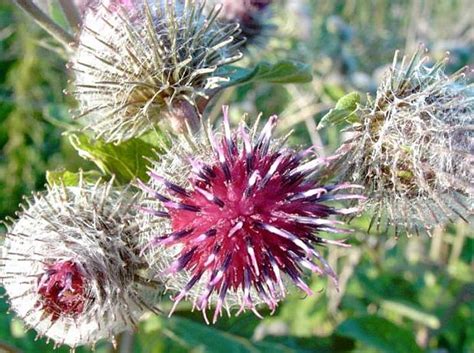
x=243, y=215
x=251, y=15
x=135, y=67
x=71, y=267
x=413, y=148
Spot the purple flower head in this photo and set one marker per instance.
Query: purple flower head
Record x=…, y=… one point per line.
x=62, y=290
x=250, y=14
x=244, y=215
x=71, y=267
x=243, y=8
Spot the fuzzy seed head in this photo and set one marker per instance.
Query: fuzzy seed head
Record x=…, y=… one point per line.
x=71, y=267
x=243, y=214
x=133, y=66
x=414, y=149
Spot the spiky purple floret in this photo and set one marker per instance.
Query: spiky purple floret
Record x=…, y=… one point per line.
x=246, y=217
x=61, y=290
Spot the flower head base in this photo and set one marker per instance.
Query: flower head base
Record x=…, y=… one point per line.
x=242, y=212
x=132, y=66
x=71, y=267
x=413, y=148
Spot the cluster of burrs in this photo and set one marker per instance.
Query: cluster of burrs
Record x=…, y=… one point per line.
x=230, y=218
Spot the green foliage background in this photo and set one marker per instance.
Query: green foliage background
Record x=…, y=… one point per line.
x=406, y=296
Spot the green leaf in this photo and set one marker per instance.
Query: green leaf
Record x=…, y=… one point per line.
x=379, y=333
x=412, y=312
x=281, y=72
x=349, y=101
x=195, y=337
x=344, y=111
x=126, y=161
x=334, y=91
x=67, y=178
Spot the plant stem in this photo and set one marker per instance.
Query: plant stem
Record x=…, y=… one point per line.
x=126, y=343
x=461, y=234
x=436, y=245
x=72, y=14
x=46, y=22
x=5, y=347
x=220, y=99
x=465, y=295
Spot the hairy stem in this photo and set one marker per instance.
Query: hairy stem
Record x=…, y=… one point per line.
x=124, y=343
x=72, y=14
x=465, y=295
x=46, y=22
x=5, y=347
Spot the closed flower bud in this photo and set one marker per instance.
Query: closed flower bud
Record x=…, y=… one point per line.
x=243, y=214
x=71, y=268
x=132, y=66
x=413, y=148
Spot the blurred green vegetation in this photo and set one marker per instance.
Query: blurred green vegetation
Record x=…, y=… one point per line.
x=395, y=296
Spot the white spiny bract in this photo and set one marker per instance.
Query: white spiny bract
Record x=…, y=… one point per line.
x=71, y=268
x=134, y=66
x=414, y=147
x=242, y=214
